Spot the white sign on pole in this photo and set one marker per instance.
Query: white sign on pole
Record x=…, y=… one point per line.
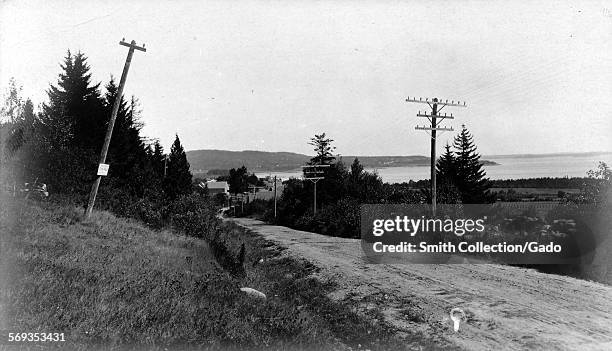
x=103, y=169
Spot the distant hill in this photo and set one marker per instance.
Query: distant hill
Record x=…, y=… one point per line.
x=202, y=161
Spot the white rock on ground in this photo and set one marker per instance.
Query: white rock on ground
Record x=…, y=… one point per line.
x=254, y=293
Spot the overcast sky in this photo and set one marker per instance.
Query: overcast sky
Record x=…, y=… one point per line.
x=267, y=75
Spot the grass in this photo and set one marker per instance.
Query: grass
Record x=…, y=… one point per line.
x=114, y=283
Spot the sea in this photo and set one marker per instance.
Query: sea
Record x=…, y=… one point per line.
x=508, y=167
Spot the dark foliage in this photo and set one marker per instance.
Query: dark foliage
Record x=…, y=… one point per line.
x=237, y=180
x=178, y=177
x=460, y=177
x=547, y=182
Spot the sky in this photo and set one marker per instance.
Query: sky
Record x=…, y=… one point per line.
x=268, y=75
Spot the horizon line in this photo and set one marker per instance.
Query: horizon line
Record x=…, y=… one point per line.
x=415, y=155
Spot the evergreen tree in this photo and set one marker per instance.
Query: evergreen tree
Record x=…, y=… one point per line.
x=178, y=176
x=445, y=167
x=364, y=186
x=71, y=128
x=356, y=170
x=470, y=177
x=324, y=150
x=127, y=152
x=74, y=115
x=446, y=178
x=158, y=159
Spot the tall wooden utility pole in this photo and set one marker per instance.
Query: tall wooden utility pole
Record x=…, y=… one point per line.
x=111, y=124
x=274, y=197
x=434, y=125
x=314, y=177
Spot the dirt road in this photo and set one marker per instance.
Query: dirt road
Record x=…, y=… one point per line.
x=506, y=308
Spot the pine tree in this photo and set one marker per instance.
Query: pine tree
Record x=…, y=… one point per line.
x=445, y=166
x=356, y=170
x=178, y=176
x=446, y=178
x=74, y=115
x=71, y=127
x=470, y=178
x=324, y=150
x=127, y=152
x=158, y=159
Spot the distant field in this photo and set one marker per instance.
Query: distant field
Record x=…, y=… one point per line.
x=539, y=191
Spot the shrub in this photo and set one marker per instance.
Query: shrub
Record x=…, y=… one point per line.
x=258, y=207
x=193, y=214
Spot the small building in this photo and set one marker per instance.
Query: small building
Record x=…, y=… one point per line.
x=216, y=187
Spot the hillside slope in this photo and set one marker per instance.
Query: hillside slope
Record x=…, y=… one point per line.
x=113, y=283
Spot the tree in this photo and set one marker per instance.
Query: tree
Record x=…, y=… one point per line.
x=253, y=180
x=364, y=186
x=127, y=152
x=356, y=170
x=446, y=178
x=598, y=190
x=470, y=179
x=178, y=176
x=238, y=180
x=17, y=120
x=324, y=150
x=71, y=127
x=445, y=167
x=74, y=115
x=158, y=159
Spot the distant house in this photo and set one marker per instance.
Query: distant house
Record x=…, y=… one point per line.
x=215, y=187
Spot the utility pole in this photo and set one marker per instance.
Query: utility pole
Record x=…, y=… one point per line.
x=254, y=187
x=435, y=118
x=274, y=197
x=314, y=178
x=111, y=124
x=165, y=165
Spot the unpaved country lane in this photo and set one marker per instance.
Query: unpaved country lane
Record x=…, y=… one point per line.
x=507, y=308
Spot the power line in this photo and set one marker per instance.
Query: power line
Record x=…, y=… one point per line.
x=435, y=118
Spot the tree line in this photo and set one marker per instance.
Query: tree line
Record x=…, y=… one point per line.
x=60, y=144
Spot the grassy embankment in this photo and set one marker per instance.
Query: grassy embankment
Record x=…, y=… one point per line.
x=112, y=281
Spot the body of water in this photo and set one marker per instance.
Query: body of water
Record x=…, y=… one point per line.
x=510, y=167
